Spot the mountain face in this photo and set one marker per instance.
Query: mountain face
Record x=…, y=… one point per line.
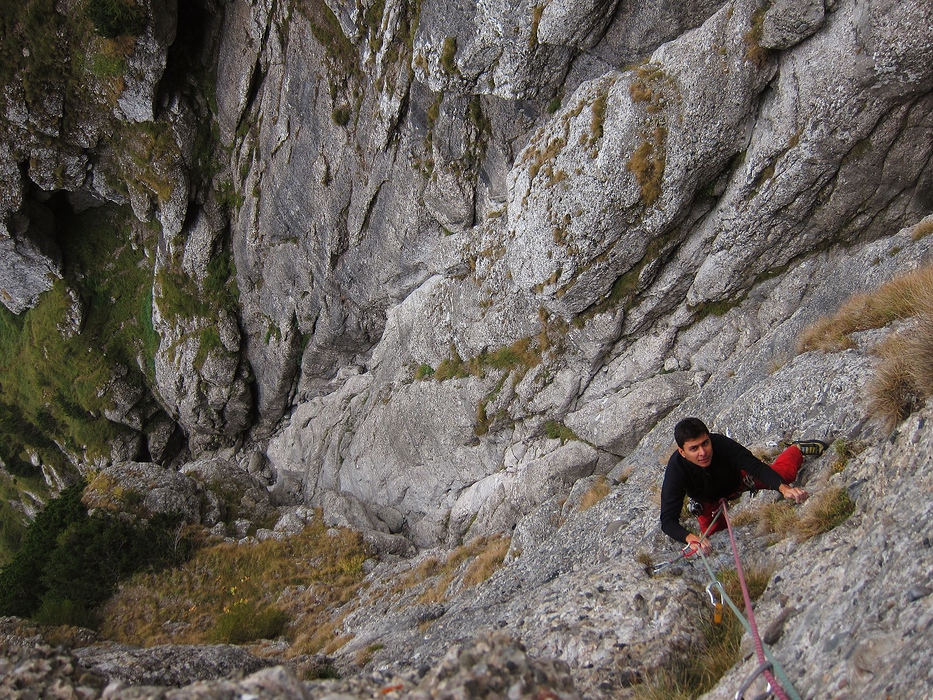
x=429, y=266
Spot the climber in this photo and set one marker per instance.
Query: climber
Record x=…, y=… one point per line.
x=708, y=466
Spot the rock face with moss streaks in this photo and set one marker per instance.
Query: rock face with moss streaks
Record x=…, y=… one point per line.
x=442, y=270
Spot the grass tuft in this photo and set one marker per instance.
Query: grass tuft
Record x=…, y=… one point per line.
x=647, y=164
x=555, y=430
x=695, y=670
x=904, y=377
x=899, y=298
x=893, y=393
x=245, y=621
x=438, y=577
x=597, y=492
x=829, y=509
x=487, y=562
x=778, y=518
x=923, y=229
x=448, y=55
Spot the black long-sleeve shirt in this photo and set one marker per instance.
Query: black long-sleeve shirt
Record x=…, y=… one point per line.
x=722, y=478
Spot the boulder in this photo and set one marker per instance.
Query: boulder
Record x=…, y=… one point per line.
x=144, y=489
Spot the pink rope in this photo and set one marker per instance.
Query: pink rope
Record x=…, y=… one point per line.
x=759, y=648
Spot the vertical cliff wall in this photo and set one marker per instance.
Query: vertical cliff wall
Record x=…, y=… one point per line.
x=399, y=252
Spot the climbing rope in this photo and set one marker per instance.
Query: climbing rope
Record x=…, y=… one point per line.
x=768, y=666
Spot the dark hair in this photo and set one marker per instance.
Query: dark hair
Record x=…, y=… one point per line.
x=689, y=429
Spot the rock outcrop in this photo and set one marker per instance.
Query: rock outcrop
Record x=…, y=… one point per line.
x=438, y=270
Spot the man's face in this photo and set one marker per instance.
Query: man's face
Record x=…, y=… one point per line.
x=699, y=451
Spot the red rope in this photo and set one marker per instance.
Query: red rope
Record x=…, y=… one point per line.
x=759, y=648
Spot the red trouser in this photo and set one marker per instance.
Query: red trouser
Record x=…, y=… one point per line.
x=786, y=465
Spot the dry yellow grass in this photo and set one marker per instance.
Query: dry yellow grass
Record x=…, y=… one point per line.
x=920, y=350
x=597, y=492
x=829, y=509
x=899, y=298
x=647, y=164
x=923, y=229
x=487, y=554
x=824, y=511
x=778, y=518
x=904, y=376
x=487, y=562
x=893, y=392
x=307, y=577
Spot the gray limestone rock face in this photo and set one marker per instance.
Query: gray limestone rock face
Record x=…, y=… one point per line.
x=498, y=502
x=198, y=367
x=26, y=271
x=603, y=185
x=637, y=29
x=240, y=495
x=491, y=48
x=617, y=422
x=11, y=182
x=30, y=260
x=146, y=63
x=874, y=86
x=788, y=22
x=643, y=185
x=241, y=39
x=166, y=665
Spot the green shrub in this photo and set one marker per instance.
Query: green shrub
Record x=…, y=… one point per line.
x=107, y=66
x=13, y=521
x=113, y=18
x=208, y=342
x=342, y=55
x=229, y=197
x=34, y=43
x=555, y=430
x=71, y=562
x=62, y=611
x=21, y=582
x=244, y=621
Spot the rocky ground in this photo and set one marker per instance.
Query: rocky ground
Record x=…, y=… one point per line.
x=847, y=613
x=495, y=667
